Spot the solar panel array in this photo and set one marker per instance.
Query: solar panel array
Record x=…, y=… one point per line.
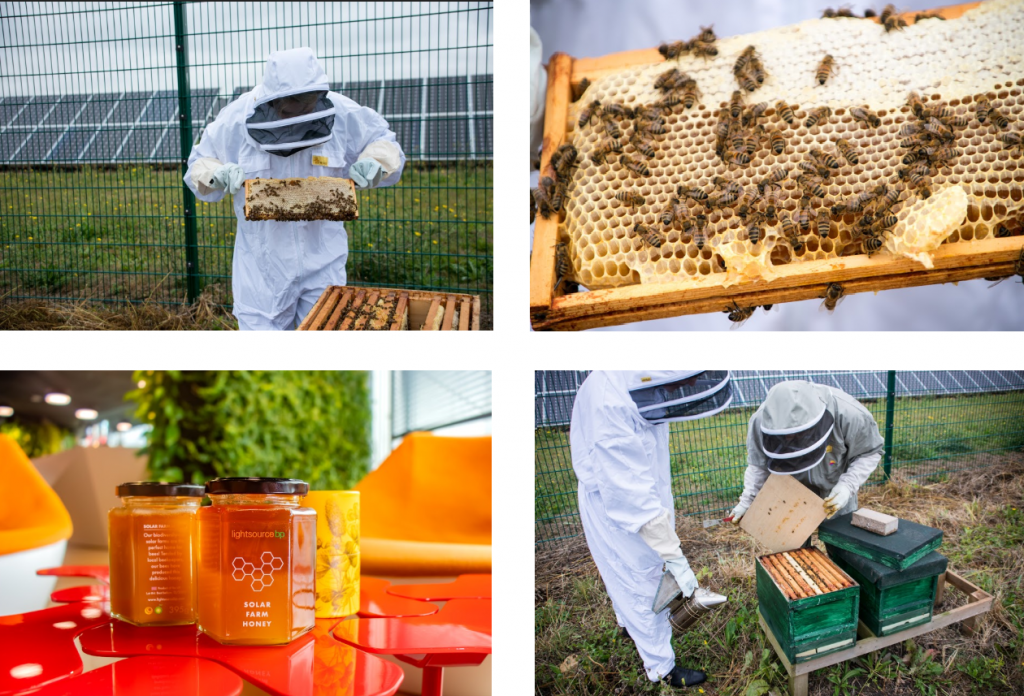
x=436, y=118
x=556, y=390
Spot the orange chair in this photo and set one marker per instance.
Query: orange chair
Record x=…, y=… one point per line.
x=426, y=511
x=34, y=529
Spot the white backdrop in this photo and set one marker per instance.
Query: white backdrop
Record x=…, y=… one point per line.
x=585, y=28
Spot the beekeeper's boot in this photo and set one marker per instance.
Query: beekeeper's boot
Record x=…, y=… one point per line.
x=680, y=677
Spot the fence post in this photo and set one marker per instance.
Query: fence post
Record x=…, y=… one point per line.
x=890, y=404
x=185, y=127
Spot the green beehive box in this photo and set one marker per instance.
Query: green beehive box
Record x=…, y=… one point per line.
x=810, y=627
x=891, y=600
x=900, y=550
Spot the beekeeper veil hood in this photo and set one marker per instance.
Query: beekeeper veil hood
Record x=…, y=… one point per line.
x=291, y=108
x=795, y=428
x=679, y=395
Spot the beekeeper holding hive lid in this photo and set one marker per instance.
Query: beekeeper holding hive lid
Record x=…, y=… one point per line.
x=290, y=126
x=619, y=440
x=820, y=435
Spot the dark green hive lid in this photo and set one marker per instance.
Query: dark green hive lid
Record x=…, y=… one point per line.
x=905, y=546
x=882, y=577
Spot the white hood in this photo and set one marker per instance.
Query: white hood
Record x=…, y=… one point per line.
x=291, y=72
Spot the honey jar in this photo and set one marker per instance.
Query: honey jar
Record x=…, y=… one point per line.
x=152, y=541
x=257, y=550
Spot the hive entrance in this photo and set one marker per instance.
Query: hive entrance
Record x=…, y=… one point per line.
x=873, y=69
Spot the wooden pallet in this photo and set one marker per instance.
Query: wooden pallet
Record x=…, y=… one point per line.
x=984, y=258
x=979, y=602
x=342, y=308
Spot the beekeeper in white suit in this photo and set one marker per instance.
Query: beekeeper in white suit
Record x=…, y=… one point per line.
x=620, y=453
x=820, y=435
x=290, y=126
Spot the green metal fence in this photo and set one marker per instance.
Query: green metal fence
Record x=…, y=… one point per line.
x=100, y=104
x=934, y=423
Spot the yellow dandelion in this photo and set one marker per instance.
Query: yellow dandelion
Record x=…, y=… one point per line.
x=418, y=234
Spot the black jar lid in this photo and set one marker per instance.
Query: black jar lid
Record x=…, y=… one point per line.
x=282, y=486
x=159, y=488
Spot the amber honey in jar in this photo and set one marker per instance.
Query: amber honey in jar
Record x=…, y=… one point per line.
x=152, y=542
x=257, y=550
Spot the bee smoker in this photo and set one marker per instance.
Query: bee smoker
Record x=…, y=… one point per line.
x=683, y=612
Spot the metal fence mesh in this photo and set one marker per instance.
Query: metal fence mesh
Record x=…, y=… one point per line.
x=937, y=423
x=96, y=101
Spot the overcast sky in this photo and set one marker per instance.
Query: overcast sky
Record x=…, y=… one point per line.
x=102, y=47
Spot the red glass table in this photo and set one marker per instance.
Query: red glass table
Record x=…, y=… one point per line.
x=338, y=657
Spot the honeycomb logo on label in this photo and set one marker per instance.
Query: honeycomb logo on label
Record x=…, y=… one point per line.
x=261, y=574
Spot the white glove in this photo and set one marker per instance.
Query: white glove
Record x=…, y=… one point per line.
x=229, y=177
x=366, y=173
x=660, y=535
x=685, y=578
x=837, y=500
x=737, y=512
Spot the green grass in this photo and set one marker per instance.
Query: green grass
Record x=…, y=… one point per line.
x=931, y=436
x=579, y=651
x=118, y=234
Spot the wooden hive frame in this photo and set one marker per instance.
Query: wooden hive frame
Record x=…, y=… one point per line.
x=345, y=308
x=311, y=198
x=984, y=258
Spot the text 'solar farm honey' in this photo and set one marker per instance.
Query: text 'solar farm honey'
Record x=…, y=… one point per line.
x=257, y=549
x=152, y=541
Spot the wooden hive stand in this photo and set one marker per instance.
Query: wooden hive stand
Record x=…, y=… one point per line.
x=978, y=600
x=983, y=258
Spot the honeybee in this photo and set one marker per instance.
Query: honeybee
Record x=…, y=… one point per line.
x=776, y=141
x=824, y=223
x=739, y=142
x=692, y=193
x=844, y=148
x=916, y=104
x=998, y=119
x=910, y=129
x=816, y=115
x=843, y=11
x=810, y=186
x=774, y=177
x=886, y=221
x=613, y=130
x=727, y=198
x=918, y=173
x=785, y=111
x=982, y=108
x=651, y=237
x=741, y=64
x=913, y=156
x=754, y=231
x=894, y=22
x=938, y=129
x=825, y=68
x=615, y=111
x=588, y=112
x=653, y=127
x=946, y=152
x=825, y=158
x=747, y=82
x=735, y=157
x=815, y=170
x=1011, y=140
x=833, y=294
x=643, y=145
x=630, y=197
x=707, y=34
x=563, y=265
x=738, y=314
x=543, y=201
x=690, y=93
x=673, y=50
x=757, y=69
x=887, y=197
x=604, y=149
x=770, y=202
x=956, y=121
x=736, y=104
x=634, y=165
x=669, y=100
x=579, y=89
x=870, y=244
x=1003, y=231
x=757, y=110
x=556, y=190
x=927, y=15
x=564, y=160
x=704, y=50
x=667, y=79
x=533, y=207
x=859, y=113
x=789, y=230
x=803, y=214
x=699, y=235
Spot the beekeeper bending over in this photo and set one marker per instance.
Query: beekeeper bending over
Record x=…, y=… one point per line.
x=820, y=435
x=290, y=126
x=620, y=453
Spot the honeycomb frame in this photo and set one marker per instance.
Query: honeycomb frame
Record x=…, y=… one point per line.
x=707, y=290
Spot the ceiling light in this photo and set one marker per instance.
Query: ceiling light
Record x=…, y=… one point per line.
x=124, y=426
x=6, y=411
x=142, y=384
x=58, y=399
x=86, y=414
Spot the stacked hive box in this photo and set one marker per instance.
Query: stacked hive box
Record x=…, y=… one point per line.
x=898, y=574
x=808, y=603
x=952, y=62
x=343, y=308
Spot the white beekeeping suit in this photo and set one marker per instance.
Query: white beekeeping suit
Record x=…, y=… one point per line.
x=290, y=126
x=821, y=436
x=620, y=453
